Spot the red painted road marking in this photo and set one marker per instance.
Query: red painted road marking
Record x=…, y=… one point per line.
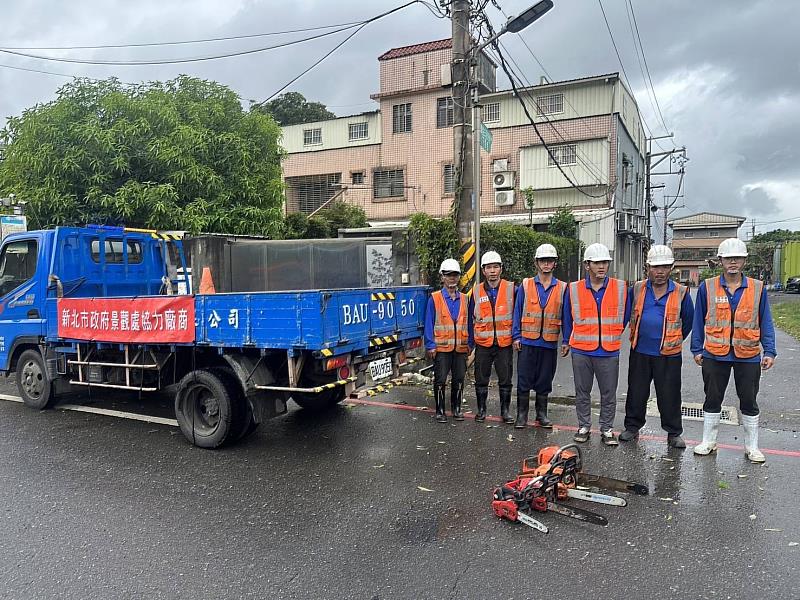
x=659, y=438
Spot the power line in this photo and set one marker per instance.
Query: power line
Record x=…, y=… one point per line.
x=647, y=68
x=183, y=42
x=613, y=42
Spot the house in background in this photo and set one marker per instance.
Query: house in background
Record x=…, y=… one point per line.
x=398, y=160
x=696, y=238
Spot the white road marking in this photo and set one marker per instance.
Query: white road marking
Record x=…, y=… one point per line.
x=104, y=411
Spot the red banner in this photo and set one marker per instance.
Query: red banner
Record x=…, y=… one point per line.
x=150, y=320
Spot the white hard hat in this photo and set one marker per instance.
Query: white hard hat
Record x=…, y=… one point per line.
x=660, y=255
x=596, y=253
x=546, y=251
x=450, y=265
x=732, y=247
x=491, y=258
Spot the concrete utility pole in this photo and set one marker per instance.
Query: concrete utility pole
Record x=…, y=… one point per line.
x=649, y=166
x=462, y=140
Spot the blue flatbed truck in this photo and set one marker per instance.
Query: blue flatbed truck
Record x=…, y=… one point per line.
x=99, y=307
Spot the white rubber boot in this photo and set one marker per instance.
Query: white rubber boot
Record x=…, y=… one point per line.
x=751, y=450
x=710, y=431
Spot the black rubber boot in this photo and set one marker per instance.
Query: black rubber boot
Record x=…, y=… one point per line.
x=456, y=390
x=438, y=393
x=505, y=406
x=541, y=412
x=523, y=404
x=482, y=394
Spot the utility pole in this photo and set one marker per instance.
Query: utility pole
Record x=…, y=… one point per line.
x=462, y=141
x=650, y=165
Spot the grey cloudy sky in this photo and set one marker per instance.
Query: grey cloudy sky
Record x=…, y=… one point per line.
x=726, y=74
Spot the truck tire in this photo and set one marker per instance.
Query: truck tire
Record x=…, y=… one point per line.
x=324, y=400
x=34, y=387
x=243, y=423
x=208, y=408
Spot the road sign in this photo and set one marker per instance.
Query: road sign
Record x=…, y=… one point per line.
x=486, y=138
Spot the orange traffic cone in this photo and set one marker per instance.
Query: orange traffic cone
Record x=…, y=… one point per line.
x=206, y=282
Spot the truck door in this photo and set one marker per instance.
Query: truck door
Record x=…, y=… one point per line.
x=21, y=304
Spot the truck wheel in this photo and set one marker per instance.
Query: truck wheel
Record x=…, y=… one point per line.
x=243, y=422
x=319, y=402
x=34, y=386
x=207, y=408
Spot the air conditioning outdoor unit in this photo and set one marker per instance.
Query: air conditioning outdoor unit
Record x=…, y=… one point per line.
x=625, y=222
x=503, y=180
x=504, y=197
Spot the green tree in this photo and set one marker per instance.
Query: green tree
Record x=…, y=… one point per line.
x=777, y=235
x=180, y=154
x=562, y=223
x=341, y=215
x=292, y=108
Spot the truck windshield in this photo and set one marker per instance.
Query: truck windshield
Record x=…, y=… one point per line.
x=17, y=264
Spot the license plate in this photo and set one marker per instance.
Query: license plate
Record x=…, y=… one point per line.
x=380, y=369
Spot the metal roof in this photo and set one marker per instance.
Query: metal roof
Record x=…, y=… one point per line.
x=705, y=219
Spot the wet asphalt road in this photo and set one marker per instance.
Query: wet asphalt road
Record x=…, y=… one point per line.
x=336, y=506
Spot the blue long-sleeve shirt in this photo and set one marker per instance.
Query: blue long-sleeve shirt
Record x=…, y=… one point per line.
x=764, y=318
x=651, y=324
x=567, y=324
x=454, y=306
x=492, y=293
x=519, y=308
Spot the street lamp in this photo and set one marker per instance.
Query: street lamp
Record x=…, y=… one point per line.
x=514, y=25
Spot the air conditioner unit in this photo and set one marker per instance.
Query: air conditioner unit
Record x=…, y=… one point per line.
x=625, y=222
x=504, y=197
x=500, y=164
x=503, y=180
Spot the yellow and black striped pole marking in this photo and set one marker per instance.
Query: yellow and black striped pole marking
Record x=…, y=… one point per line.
x=330, y=386
x=380, y=341
x=382, y=296
x=468, y=259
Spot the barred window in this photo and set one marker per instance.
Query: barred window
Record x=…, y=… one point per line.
x=388, y=184
x=449, y=179
x=401, y=118
x=564, y=155
x=312, y=136
x=491, y=112
x=357, y=177
x=358, y=131
x=444, y=112
x=551, y=104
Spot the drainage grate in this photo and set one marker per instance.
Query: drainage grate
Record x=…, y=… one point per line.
x=694, y=412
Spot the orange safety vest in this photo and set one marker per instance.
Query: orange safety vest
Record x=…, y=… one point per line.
x=450, y=335
x=542, y=322
x=591, y=330
x=494, y=321
x=672, y=333
x=741, y=330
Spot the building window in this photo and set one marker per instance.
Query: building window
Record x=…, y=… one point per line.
x=401, y=118
x=449, y=179
x=312, y=137
x=357, y=177
x=444, y=112
x=564, y=155
x=388, y=184
x=491, y=112
x=550, y=105
x=307, y=193
x=688, y=234
x=684, y=274
x=713, y=234
x=358, y=131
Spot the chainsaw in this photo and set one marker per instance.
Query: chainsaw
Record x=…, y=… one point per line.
x=568, y=461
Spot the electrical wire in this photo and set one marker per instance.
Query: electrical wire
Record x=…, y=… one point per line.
x=184, y=42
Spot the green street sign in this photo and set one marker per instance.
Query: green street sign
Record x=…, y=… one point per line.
x=486, y=138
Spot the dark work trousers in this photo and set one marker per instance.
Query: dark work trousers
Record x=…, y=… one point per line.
x=536, y=368
x=503, y=361
x=453, y=363
x=717, y=373
x=665, y=373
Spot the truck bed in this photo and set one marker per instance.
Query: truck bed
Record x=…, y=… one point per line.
x=329, y=321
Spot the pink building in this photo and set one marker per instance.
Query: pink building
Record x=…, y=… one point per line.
x=398, y=160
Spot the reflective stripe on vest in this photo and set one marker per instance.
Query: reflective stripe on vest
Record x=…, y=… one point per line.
x=537, y=322
x=491, y=322
x=672, y=331
x=592, y=330
x=743, y=331
x=450, y=335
